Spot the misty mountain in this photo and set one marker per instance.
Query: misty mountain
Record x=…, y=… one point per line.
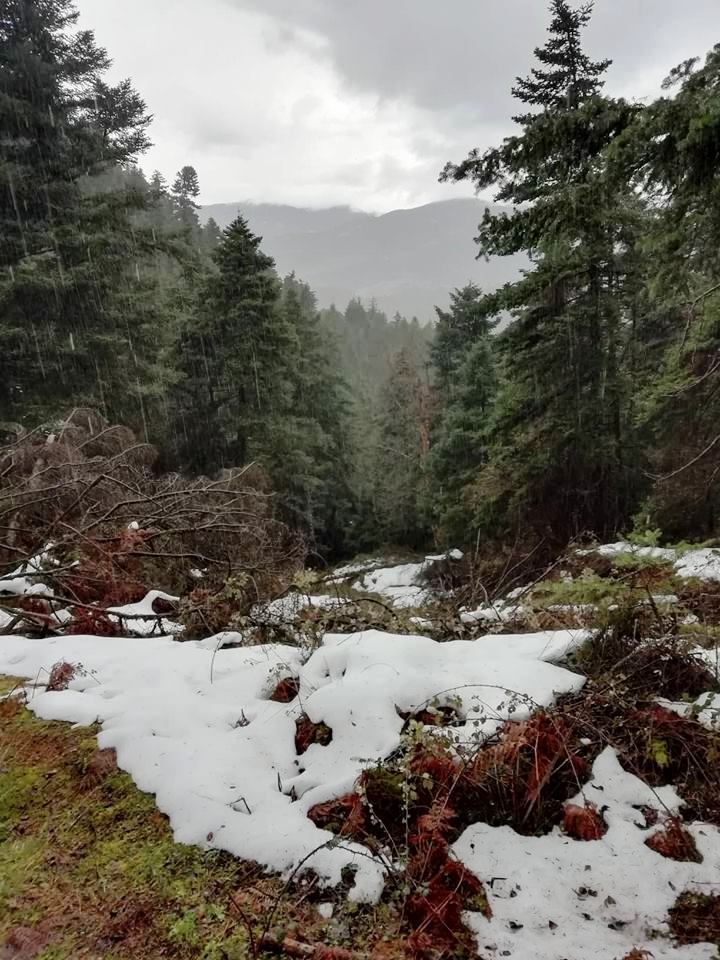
x=406, y=260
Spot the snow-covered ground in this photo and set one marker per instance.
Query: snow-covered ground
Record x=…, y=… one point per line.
x=555, y=898
x=196, y=727
x=193, y=723
x=404, y=585
x=703, y=564
x=288, y=608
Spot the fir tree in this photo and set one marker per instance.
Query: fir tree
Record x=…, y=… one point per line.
x=75, y=313
x=233, y=357
x=455, y=331
x=567, y=76
x=461, y=440
x=307, y=451
x=672, y=155
x=561, y=444
x=400, y=458
x=185, y=191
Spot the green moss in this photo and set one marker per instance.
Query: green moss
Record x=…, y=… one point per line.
x=8, y=684
x=16, y=790
x=96, y=861
x=20, y=861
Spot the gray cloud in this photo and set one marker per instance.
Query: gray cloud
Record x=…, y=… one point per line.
x=464, y=54
x=319, y=102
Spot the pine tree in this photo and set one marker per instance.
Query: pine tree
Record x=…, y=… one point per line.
x=456, y=331
x=233, y=357
x=75, y=314
x=307, y=450
x=400, y=457
x=210, y=236
x=567, y=77
x=672, y=154
x=461, y=441
x=560, y=448
x=185, y=191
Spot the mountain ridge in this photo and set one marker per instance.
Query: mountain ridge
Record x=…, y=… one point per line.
x=406, y=260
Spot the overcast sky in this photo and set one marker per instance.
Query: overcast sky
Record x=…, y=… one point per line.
x=359, y=102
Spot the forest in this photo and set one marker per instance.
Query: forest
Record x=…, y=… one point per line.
x=592, y=411
x=371, y=633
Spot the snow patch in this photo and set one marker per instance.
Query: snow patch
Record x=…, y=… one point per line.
x=143, y=620
x=403, y=585
x=194, y=724
x=287, y=609
x=597, y=900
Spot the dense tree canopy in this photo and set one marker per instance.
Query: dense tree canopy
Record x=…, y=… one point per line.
x=580, y=398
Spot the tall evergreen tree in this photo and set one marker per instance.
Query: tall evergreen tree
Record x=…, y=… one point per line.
x=308, y=453
x=560, y=462
x=74, y=313
x=185, y=191
x=566, y=76
x=461, y=440
x=672, y=155
x=400, y=457
x=456, y=330
x=233, y=357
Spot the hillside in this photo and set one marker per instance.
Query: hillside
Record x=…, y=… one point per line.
x=407, y=260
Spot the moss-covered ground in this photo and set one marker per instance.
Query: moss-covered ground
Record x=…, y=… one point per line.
x=89, y=868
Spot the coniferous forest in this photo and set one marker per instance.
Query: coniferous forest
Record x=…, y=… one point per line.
x=592, y=410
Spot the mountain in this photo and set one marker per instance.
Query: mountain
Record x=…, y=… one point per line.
x=406, y=260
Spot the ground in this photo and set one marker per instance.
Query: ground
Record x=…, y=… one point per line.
x=89, y=869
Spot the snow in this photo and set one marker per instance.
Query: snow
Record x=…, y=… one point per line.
x=287, y=609
x=352, y=569
x=501, y=611
x=455, y=555
x=703, y=563
x=403, y=585
x=195, y=726
x=623, y=547
x=400, y=584
x=705, y=709
x=144, y=621
x=573, y=609
x=22, y=581
x=556, y=898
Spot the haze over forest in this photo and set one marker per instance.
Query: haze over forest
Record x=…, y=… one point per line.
x=407, y=261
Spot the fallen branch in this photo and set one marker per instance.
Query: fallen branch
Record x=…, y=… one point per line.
x=293, y=948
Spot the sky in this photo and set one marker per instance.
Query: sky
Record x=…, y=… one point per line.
x=357, y=102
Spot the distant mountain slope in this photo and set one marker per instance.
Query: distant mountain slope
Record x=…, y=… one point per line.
x=407, y=260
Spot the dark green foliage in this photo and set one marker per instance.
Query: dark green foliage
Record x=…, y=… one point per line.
x=460, y=447
x=673, y=154
x=73, y=299
x=399, y=457
x=232, y=356
x=559, y=458
x=596, y=404
x=456, y=330
x=185, y=191
x=308, y=451
x=567, y=75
